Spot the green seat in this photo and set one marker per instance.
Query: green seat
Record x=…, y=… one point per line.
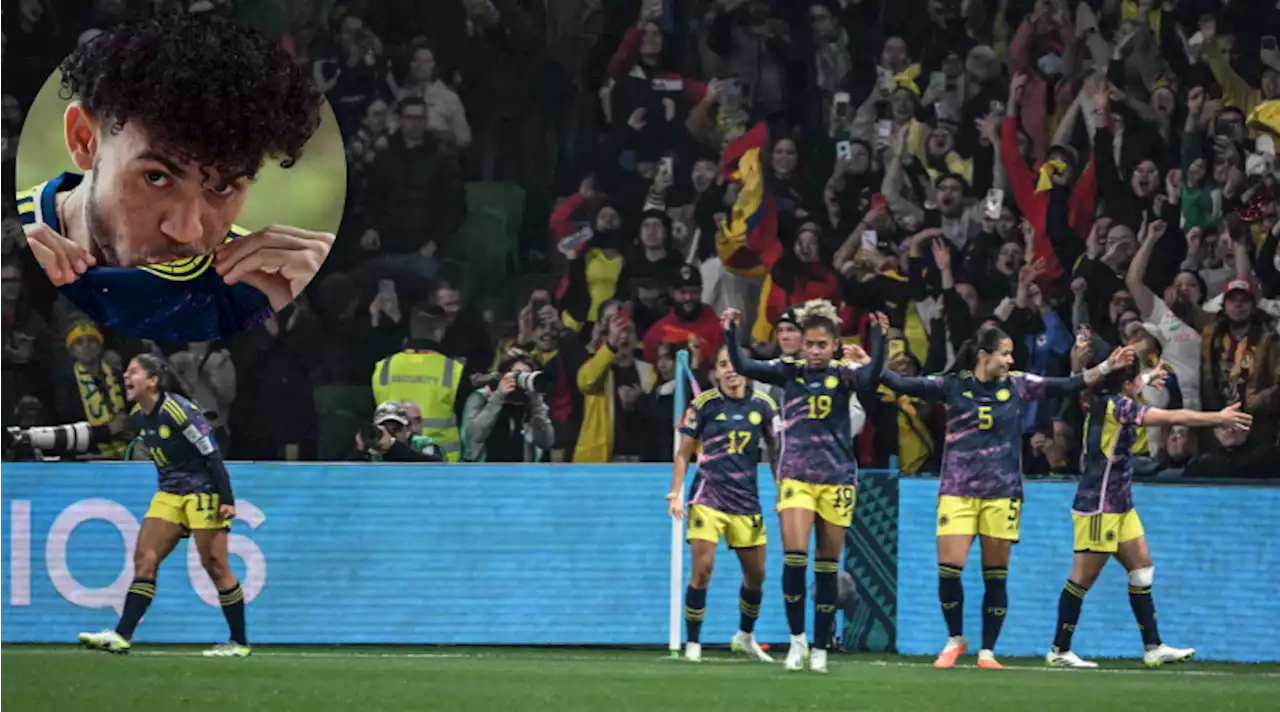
x=481, y=244
x=340, y=411
x=506, y=198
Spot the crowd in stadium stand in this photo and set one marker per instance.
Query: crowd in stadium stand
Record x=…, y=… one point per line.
x=580, y=187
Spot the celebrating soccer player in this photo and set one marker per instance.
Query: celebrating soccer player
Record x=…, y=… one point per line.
x=980, y=488
x=1106, y=523
x=732, y=425
x=172, y=120
x=194, y=500
x=817, y=469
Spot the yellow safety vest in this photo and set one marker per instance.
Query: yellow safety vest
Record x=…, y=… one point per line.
x=431, y=380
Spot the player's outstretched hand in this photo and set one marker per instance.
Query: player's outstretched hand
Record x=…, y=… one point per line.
x=855, y=354
x=1233, y=416
x=675, y=505
x=62, y=259
x=729, y=318
x=227, y=512
x=1121, y=357
x=883, y=322
x=278, y=261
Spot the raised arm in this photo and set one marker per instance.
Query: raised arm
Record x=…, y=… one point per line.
x=773, y=371
x=867, y=378
x=930, y=388
x=1053, y=387
x=1134, y=279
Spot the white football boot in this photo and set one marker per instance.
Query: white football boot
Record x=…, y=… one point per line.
x=1066, y=659
x=745, y=643
x=797, y=653
x=1161, y=654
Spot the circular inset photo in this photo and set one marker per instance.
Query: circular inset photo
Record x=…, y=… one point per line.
x=180, y=178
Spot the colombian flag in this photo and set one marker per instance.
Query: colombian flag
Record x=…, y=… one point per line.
x=747, y=242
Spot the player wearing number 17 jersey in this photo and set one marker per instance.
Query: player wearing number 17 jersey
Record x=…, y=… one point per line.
x=980, y=488
x=817, y=468
x=194, y=500
x=734, y=426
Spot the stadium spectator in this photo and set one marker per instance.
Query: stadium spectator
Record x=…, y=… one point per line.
x=613, y=382
x=688, y=317
x=208, y=377
x=90, y=389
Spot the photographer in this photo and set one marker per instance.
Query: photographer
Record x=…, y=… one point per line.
x=387, y=439
x=509, y=422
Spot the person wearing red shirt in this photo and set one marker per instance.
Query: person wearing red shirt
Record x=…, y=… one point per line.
x=688, y=315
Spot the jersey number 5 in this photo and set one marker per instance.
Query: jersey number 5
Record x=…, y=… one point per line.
x=738, y=440
x=819, y=407
x=985, y=421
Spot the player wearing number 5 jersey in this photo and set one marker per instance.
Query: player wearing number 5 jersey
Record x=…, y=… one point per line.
x=980, y=488
x=194, y=500
x=818, y=471
x=1106, y=523
x=733, y=425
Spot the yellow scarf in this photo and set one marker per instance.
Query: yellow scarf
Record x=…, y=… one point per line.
x=100, y=406
x=1047, y=171
x=906, y=79
x=915, y=443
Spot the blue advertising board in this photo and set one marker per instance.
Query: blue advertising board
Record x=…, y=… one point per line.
x=1217, y=572
x=359, y=553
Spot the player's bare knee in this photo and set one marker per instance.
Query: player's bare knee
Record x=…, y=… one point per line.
x=215, y=566
x=146, y=562
x=700, y=576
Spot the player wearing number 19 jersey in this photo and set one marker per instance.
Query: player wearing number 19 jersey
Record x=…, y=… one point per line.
x=195, y=499
x=734, y=426
x=980, y=488
x=817, y=467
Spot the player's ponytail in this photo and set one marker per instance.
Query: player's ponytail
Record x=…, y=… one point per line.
x=988, y=339
x=159, y=369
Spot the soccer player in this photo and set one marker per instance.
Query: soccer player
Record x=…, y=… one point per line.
x=817, y=469
x=732, y=424
x=1106, y=523
x=980, y=488
x=195, y=500
x=173, y=118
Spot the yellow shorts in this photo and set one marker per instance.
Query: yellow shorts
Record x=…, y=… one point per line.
x=1103, y=533
x=740, y=531
x=189, y=511
x=834, y=503
x=996, y=518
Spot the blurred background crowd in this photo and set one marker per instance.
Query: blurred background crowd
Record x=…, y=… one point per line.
x=547, y=199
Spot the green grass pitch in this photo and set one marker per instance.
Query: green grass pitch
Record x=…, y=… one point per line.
x=316, y=679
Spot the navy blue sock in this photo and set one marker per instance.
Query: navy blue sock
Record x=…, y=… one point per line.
x=824, y=601
x=951, y=596
x=749, y=608
x=141, y=592
x=1069, y=603
x=1144, y=609
x=695, y=609
x=795, y=564
x=995, y=603
x=232, y=601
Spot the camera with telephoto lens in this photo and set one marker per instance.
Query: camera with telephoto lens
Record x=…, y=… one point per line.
x=530, y=381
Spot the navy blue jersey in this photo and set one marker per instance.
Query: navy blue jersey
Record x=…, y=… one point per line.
x=982, y=454
x=1110, y=431
x=733, y=433
x=184, y=300
x=817, y=435
x=182, y=446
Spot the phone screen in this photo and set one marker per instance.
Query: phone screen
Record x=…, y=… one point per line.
x=844, y=149
x=870, y=240
x=386, y=286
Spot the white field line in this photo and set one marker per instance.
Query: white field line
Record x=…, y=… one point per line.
x=605, y=657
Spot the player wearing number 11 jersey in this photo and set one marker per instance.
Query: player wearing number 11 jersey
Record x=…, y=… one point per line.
x=734, y=426
x=818, y=471
x=194, y=500
x=980, y=488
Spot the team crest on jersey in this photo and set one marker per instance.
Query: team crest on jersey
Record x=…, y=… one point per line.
x=831, y=382
x=164, y=432
x=968, y=394
x=721, y=416
x=754, y=418
x=1002, y=395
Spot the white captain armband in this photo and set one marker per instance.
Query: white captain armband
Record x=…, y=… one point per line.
x=202, y=442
